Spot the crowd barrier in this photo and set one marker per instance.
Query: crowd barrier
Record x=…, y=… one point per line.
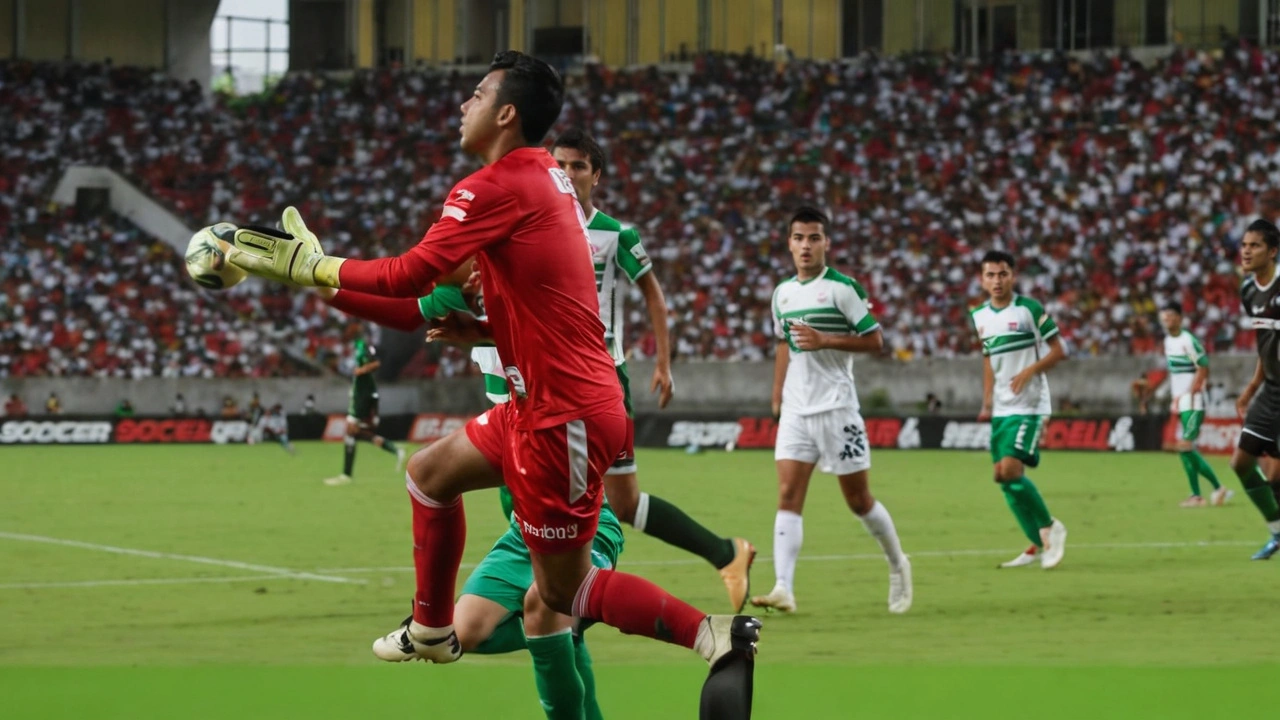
x=1121, y=433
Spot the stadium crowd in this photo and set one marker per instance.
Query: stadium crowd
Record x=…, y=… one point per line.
x=1120, y=186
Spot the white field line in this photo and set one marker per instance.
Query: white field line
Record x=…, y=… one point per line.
x=126, y=583
x=624, y=563
x=251, y=567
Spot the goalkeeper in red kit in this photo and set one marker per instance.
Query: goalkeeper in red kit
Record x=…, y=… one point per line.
x=565, y=425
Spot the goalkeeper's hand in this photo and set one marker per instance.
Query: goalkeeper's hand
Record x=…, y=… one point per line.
x=292, y=256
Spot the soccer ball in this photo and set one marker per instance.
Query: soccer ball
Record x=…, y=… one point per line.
x=207, y=258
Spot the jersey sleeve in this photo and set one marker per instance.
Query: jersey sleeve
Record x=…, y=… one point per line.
x=442, y=301
x=977, y=331
x=1044, y=324
x=399, y=313
x=852, y=302
x=779, y=331
x=1198, y=355
x=632, y=258
x=477, y=214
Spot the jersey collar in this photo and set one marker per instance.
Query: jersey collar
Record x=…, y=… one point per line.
x=594, y=212
x=819, y=276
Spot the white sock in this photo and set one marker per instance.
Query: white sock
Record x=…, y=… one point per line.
x=880, y=526
x=788, y=536
x=1274, y=526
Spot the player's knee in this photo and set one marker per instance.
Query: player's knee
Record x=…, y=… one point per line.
x=557, y=596
x=623, y=494
x=860, y=502
x=538, y=618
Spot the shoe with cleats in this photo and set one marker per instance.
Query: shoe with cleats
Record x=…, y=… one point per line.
x=413, y=641
x=737, y=574
x=779, y=599
x=1027, y=557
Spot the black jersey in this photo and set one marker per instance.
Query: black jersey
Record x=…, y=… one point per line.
x=1262, y=306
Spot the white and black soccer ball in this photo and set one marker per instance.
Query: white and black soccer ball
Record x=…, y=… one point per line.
x=207, y=258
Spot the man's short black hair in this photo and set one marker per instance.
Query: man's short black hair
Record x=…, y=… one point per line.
x=998, y=257
x=1267, y=229
x=1173, y=307
x=534, y=88
x=809, y=214
x=578, y=139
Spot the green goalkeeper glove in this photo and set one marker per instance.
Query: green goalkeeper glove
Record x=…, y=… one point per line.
x=292, y=256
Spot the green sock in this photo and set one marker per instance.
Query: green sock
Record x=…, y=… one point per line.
x=389, y=446
x=590, y=705
x=348, y=455
x=1259, y=491
x=560, y=688
x=1025, y=522
x=1203, y=466
x=1192, y=469
x=669, y=524
x=507, y=637
x=1035, y=503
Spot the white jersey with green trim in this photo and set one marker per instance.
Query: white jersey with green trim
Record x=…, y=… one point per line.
x=1185, y=354
x=1014, y=337
x=613, y=249
x=820, y=380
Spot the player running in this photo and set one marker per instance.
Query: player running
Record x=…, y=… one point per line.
x=1015, y=331
x=1259, y=402
x=821, y=318
x=1188, y=373
x=566, y=423
x=273, y=425
x=362, y=414
x=616, y=252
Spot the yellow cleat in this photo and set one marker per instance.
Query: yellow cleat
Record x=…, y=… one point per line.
x=737, y=574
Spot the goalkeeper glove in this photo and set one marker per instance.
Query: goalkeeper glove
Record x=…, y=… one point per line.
x=292, y=256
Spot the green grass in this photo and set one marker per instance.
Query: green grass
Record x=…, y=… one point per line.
x=1156, y=611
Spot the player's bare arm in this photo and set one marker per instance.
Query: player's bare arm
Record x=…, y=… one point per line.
x=1246, y=395
x=808, y=339
x=781, y=358
x=1055, y=355
x=368, y=368
x=988, y=387
x=656, y=303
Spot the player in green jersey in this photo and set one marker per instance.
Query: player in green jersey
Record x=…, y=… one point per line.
x=617, y=251
x=362, y=414
x=1020, y=344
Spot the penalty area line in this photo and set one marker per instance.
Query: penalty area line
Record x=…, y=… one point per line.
x=266, y=570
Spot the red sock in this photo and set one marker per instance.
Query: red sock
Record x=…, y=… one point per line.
x=439, y=534
x=637, y=607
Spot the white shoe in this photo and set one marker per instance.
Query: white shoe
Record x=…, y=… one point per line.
x=1055, y=544
x=343, y=479
x=413, y=641
x=1026, y=557
x=720, y=635
x=779, y=599
x=1221, y=496
x=900, y=587
x=400, y=456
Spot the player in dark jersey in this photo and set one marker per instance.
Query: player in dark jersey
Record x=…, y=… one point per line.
x=362, y=414
x=1259, y=402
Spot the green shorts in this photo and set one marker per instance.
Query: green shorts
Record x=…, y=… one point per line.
x=1191, y=422
x=624, y=379
x=1017, y=436
x=506, y=573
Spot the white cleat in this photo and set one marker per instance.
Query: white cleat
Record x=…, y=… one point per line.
x=900, y=587
x=779, y=599
x=400, y=456
x=413, y=641
x=1221, y=497
x=1055, y=544
x=1027, y=557
x=343, y=479
x=721, y=635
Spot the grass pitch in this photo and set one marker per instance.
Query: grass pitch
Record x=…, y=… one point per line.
x=228, y=582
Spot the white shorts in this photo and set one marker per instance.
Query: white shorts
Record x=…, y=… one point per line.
x=834, y=440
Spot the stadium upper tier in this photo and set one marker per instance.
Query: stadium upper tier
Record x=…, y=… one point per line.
x=1121, y=187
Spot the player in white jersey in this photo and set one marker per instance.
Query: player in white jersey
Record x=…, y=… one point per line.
x=1188, y=373
x=1019, y=344
x=821, y=319
x=617, y=251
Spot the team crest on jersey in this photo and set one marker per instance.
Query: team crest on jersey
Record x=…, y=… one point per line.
x=822, y=297
x=1013, y=325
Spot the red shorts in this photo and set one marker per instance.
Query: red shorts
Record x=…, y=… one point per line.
x=555, y=475
x=625, y=463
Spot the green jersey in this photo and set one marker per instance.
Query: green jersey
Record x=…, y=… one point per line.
x=364, y=388
x=615, y=250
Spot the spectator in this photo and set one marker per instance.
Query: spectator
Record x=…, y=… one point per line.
x=932, y=404
x=53, y=406
x=230, y=411
x=179, y=408
x=309, y=406
x=14, y=407
x=124, y=409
